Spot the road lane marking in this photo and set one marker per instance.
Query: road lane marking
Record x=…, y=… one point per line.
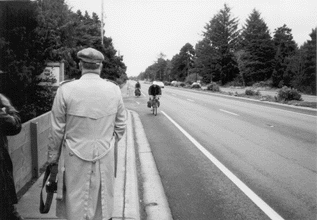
x=138, y=103
x=190, y=100
x=244, y=188
x=229, y=112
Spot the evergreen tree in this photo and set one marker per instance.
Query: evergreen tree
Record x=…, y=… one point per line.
x=160, y=67
x=305, y=70
x=223, y=34
x=44, y=31
x=52, y=30
x=258, y=44
x=175, y=67
x=157, y=70
x=285, y=48
x=19, y=55
x=167, y=71
x=182, y=63
x=205, y=61
x=242, y=58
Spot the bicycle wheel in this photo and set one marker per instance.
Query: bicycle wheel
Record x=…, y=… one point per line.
x=154, y=108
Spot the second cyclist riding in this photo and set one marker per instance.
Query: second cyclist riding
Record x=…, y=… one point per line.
x=154, y=92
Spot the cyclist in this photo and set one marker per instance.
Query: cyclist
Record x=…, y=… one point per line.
x=137, y=90
x=155, y=92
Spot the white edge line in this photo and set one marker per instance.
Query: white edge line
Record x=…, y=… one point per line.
x=244, y=188
x=229, y=112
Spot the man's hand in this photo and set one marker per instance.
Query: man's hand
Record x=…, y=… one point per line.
x=5, y=116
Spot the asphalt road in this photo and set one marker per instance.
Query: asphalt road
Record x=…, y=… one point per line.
x=227, y=158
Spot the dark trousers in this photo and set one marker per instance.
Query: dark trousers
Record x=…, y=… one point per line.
x=8, y=195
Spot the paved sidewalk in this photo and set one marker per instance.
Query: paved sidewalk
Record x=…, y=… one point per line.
x=126, y=186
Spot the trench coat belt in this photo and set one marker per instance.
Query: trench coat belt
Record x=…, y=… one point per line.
x=61, y=167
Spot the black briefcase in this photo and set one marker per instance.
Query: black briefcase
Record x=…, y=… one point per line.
x=50, y=186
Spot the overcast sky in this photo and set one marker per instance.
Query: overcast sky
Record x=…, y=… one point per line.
x=142, y=29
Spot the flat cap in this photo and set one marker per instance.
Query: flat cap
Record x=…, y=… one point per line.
x=90, y=55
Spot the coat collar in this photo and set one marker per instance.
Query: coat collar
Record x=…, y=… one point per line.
x=90, y=76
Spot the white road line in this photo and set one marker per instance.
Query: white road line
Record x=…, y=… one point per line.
x=229, y=112
x=244, y=188
x=190, y=100
x=138, y=103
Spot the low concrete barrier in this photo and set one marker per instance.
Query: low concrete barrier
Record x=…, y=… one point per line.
x=28, y=149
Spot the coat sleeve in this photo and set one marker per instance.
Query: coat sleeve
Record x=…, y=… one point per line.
x=121, y=118
x=58, y=122
x=11, y=121
x=12, y=127
x=160, y=90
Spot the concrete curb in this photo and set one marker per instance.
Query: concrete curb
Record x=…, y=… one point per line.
x=126, y=203
x=156, y=204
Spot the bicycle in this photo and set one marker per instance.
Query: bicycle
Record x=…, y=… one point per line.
x=155, y=105
x=137, y=92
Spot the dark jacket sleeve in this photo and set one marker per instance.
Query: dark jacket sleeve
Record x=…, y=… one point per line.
x=150, y=90
x=9, y=127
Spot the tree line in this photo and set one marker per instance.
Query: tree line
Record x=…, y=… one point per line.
x=35, y=33
x=228, y=55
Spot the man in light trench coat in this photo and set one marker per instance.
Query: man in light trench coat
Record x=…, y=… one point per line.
x=88, y=117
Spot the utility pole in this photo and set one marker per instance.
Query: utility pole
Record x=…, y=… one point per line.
x=101, y=28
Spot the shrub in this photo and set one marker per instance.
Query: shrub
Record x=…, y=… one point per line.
x=268, y=98
x=28, y=112
x=213, y=87
x=237, y=82
x=189, y=82
x=288, y=94
x=267, y=83
x=44, y=99
x=280, y=84
x=252, y=92
x=167, y=83
x=193, y=77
